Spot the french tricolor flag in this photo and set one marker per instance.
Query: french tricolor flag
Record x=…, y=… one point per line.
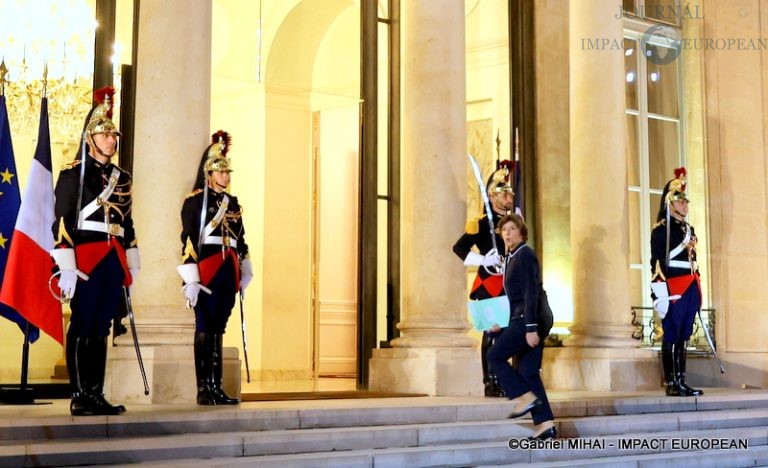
x=29, y=267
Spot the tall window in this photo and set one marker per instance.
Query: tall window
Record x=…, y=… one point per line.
x=655, y=130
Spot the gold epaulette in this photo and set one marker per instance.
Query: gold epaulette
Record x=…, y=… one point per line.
x=660, y=223
x=473, y=226
x=192, y=194
x=70, y=165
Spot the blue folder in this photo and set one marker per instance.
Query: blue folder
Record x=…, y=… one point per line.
x=486, y=312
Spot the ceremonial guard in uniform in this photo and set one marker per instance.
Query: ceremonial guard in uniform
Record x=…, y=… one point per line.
x=489, y=281
x=95, y=252
x=675, y=284
x=215, y=265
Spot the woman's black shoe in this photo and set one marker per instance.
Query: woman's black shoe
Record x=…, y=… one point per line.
x=550, y=433
x=526, y=409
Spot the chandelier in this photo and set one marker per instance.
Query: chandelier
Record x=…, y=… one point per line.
x=47, y=46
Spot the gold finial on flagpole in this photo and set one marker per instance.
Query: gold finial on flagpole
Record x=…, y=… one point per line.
x=3, y=81
x=45, y=79
x=517, y=146
x=498, y=148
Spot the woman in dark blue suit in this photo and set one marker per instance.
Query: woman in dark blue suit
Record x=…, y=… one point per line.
x=522, y=283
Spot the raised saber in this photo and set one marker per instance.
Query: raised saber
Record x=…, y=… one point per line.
x=203, y=212
x=488, y=211
x=710, y=342
x=135, y=338
x=245, y=339
x=83, y=155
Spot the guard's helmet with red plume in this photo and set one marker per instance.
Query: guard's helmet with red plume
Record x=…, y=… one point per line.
x=500, y=180
x=214, y=157
x=674, y=190
x=99, y=119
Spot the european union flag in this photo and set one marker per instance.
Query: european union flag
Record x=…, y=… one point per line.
x=10, y=201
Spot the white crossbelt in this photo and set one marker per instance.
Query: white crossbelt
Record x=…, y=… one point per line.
x=679, y=264
x=218, y=240
x=94, y=205
x=111, y=228
x=676, y=251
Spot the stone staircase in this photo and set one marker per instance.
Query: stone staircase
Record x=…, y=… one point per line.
x=398, y=432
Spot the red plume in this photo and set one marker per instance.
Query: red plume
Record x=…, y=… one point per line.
x=221, y=135
x=100, y=95
x=680, y=173
x=508, y=165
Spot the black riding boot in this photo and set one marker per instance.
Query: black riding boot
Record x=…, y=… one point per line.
x=680, y=356
x=81, y=404
x=219, y=395
x=97, y=354
x=490, y=383
x=668, y=362
x=203, y=372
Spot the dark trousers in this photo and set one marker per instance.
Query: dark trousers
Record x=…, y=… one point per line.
x=527, y=377
x=97, y=301
x=678, y=323
x=213, y=310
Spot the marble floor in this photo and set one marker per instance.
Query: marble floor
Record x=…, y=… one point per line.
x=323, y=384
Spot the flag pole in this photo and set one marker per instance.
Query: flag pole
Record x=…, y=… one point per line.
x=24, y=394
x=3, y=81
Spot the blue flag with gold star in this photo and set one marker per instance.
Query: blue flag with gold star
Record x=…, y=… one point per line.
x=10, y=200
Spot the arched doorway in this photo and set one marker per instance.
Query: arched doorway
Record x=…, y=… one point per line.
x=290, y=99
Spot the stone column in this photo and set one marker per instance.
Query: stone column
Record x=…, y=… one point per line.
x=172, y=123
x=434, y=355
x=600, y=355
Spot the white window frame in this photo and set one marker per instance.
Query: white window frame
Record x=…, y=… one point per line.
x=634, y=29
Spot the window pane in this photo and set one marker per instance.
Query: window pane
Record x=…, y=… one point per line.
x=383, y=108
x=630, y=68
x=635, y=223
x=629, y=6
x=662, y=86
x=382, y=276
x=662, y=10
x=383, y=10
x=633, y=152
x=663, y=151
x=655, y=205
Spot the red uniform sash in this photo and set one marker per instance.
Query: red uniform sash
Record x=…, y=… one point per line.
x=91, y=254
x=680, y=284
x=210, y=266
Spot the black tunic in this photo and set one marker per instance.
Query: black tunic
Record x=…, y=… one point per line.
x=677, y=232
x=231, y=226
x=117, y=206
x=479, y=235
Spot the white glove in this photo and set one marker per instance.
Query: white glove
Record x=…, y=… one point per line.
x=65, y=259
x=246, y=275
x=68, y=283
x=661, y=303
x=491, y=259
x=473, y=259
x=191, y=291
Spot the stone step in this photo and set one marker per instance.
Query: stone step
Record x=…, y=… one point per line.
x=496, y=454
x=146, y=420
x=754, y=456
x=411, y=445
